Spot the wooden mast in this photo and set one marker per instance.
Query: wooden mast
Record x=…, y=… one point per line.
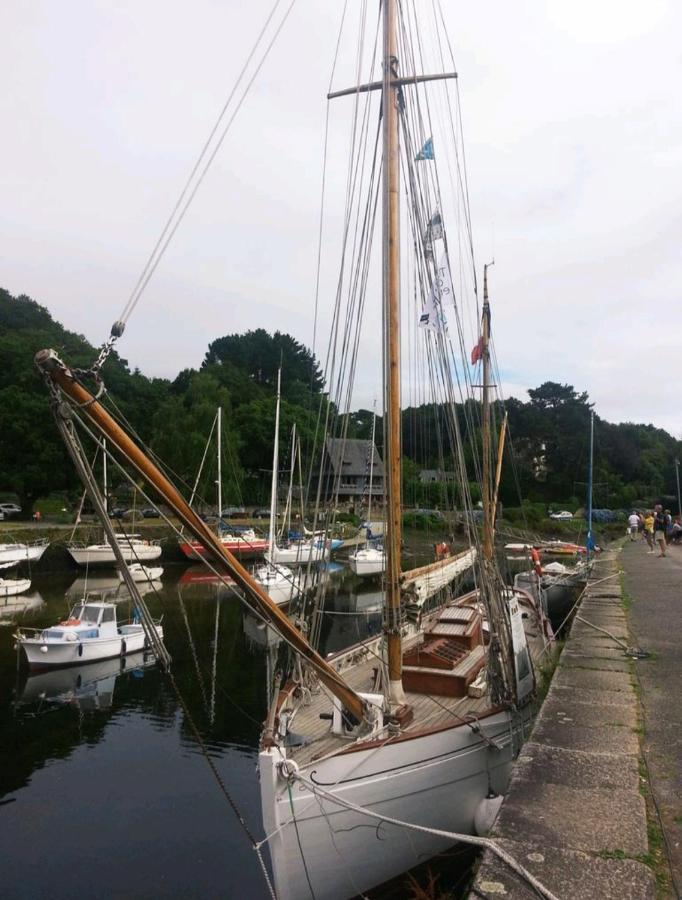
x=391, y=318
x=485, y=486
x=90, y=409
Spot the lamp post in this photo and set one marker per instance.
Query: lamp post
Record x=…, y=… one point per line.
x=677, y=475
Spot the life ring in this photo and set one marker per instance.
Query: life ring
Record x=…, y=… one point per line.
x=537, y=564
x=70, y=622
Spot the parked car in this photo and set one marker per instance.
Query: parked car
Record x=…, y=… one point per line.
x=233, y=512
x=564, y=514
x=150, y=512
x=261, y=514
x=10, y=509
x=117, y=512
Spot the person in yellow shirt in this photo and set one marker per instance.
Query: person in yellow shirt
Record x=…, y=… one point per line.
x=649, y=530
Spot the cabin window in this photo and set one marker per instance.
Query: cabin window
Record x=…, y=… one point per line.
x=90, y=613
x=108, y=614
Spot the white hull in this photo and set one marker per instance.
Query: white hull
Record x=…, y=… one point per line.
x=131, y=639
x=103, y=555
x=435, y=780
x=280, y=583
x=14, y=554
x=367, y=562
x=298, y=554
x=10, y=587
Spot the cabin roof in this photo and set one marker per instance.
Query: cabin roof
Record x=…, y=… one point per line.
x=350, y=457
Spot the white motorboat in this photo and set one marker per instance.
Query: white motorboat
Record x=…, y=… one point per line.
x=90, y=633
x=15, y=553
x=133, y=548
x=368, y=561
x=142, y=573
x=10, y=587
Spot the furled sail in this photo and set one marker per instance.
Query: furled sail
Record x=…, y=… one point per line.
x=418, y=585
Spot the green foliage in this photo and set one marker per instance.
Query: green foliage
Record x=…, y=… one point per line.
x=546, y=459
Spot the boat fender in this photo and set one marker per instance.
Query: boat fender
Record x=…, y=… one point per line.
x=123, y=648
x=43, y=649
x=80, y=649
x=288, y=770
x=486, y=813
x=70, y=636
x=537, y=564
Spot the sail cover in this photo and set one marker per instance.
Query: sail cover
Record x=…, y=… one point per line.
x=418, y=585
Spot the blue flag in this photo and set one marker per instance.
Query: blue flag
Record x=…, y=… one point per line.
x=426, y=151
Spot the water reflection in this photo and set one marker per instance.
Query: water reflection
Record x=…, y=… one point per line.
x=89, y=687
x=108, y=586
x=15, y=607
x=105, y=724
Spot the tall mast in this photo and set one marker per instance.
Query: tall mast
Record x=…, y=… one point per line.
x=92, y=412
x=371, y=464
x=106, y=486
x=589, y=543
x=220, y=462
x=273, y=483
x=486, y=485
x=391, y=318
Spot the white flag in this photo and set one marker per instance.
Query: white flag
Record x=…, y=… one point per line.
x=432, y=316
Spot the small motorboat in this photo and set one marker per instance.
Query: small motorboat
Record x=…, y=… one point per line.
x=90, y=633
x=143, y=573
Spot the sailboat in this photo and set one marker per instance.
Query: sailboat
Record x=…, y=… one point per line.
x=133, y=547
x=276, y=579
x=376, y=757
x=245, y=543
x=298, y=552
x=14, y=553
x=370, y=559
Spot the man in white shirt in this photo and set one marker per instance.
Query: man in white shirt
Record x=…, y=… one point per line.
x=633, y=525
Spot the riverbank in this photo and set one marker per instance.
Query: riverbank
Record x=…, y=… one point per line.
x=576, y=811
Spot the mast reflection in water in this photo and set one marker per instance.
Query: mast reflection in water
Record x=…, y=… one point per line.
x=101, y=756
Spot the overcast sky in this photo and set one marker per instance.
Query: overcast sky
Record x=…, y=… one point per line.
x=573, y=137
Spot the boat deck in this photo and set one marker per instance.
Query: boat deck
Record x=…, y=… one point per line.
x=432, y=709
x=429, y=711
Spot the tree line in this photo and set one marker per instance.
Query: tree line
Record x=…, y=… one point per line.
x=545, y=462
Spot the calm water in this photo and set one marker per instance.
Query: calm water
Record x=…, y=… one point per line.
x=104, y=790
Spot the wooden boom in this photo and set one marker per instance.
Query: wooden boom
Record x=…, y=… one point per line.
x=56, y=371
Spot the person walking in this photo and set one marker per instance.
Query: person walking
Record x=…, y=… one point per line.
x=633, y=525
x=649, y=530
x=659, y=530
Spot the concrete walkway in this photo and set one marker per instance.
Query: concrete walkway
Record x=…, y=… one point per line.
x=575, y=813
x=653, y=593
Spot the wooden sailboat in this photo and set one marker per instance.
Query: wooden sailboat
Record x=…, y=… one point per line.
x=373, y=759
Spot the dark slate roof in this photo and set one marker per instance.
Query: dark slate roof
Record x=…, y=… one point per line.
x=350, y=457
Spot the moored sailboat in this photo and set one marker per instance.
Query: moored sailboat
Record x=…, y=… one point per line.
x=375, y=758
